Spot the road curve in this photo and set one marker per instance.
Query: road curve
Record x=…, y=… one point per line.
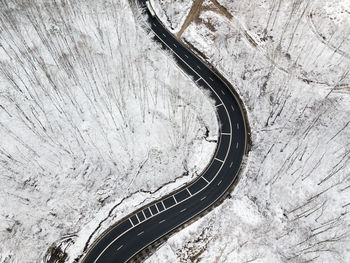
x=123, y=241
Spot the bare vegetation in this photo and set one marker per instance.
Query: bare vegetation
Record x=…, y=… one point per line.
x=289, y=62
x=90, y=112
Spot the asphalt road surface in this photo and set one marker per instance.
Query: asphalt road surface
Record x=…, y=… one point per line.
x=127, y=239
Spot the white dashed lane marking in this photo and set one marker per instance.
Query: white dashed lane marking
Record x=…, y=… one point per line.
x=120, y=247
x=161, y=202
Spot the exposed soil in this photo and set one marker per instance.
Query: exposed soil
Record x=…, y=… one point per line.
x=196, y=9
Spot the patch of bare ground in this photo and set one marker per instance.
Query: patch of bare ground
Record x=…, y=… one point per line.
x=194, y=15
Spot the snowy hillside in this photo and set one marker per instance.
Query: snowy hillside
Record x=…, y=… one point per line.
x=290, y=62
x=95, y=121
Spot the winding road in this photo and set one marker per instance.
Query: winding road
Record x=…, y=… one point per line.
x=125, y=240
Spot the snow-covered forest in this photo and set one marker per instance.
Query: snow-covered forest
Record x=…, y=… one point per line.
x=290, y=62
x=95, y=121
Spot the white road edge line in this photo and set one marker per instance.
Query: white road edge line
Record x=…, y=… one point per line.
x=202, y=176
x=229, y=122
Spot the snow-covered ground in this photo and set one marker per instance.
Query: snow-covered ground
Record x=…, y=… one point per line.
x=95, y=121
x=289, y=61
x=176, y=12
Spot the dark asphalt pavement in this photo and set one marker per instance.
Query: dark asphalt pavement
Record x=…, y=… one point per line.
x=126, y=239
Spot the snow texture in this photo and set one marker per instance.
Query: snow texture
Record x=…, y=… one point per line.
x=95, y=121
x=176, y=12
x=289, y=61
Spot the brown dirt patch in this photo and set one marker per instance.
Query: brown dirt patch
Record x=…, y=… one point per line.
x=196, y=9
